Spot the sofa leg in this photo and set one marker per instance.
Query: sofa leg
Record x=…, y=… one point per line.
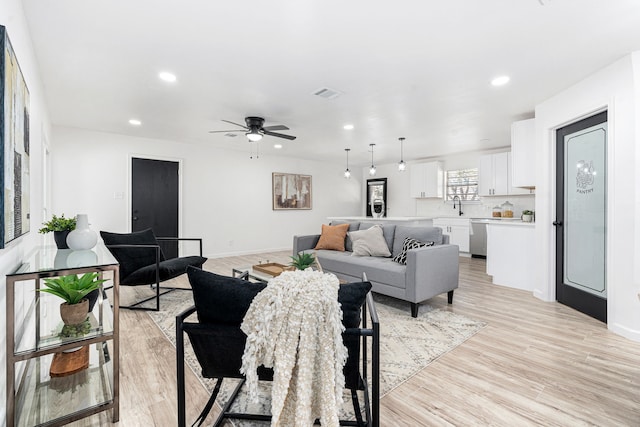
x=414, y=309
x=450, y=297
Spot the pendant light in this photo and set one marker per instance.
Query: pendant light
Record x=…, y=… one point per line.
x=347, y=172
x=372, y=169
x=401, y=165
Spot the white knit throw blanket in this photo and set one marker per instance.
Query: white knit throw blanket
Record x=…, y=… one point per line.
x=295, y=327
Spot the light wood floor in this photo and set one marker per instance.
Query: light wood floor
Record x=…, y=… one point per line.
x=535, y=363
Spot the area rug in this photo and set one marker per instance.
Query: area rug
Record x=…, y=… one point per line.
x=407, y=345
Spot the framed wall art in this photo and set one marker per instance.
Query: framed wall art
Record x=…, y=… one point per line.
x=14, y=146
x=291, y=191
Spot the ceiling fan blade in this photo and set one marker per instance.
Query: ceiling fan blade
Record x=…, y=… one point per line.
x=276, y=127
x=279, y=135
x=222, y=131
x=237, y=124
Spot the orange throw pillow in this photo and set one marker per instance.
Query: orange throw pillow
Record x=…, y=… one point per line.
x=332, y=237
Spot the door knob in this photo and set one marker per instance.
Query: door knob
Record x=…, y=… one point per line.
x=135, y=218
x=557, y=223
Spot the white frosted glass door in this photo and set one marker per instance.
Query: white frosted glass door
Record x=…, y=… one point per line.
x=585, y=199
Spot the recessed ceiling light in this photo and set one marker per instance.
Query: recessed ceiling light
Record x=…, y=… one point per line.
x=348, y=127
x=278, y=146
x=500, y=81
x=167, y=77
x=135, y=122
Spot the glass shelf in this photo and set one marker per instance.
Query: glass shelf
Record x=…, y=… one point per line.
x=49, y=334
x=42, y=398
x=51, y=260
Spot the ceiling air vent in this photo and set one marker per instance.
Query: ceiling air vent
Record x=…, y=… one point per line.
x=327, y=93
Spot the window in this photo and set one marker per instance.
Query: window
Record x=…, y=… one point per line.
x=462, y=183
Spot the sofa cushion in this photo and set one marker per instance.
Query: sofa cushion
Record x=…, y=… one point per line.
x=381, y=270
x=409, y=244
x=353, y=226
x=221, y=299
x=423, y=234
x=332, y=237
x=369, y=242
x=388, y=231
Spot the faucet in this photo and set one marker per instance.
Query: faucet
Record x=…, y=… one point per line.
x=459, y=205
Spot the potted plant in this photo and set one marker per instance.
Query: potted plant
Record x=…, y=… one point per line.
x=74, y=291
x=527, y=215
x=60, y=226
x=302, y=260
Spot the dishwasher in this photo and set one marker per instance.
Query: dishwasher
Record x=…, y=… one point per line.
x=478, y=238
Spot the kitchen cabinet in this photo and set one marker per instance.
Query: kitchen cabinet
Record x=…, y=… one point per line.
x=511, y=255
x=494, y=176
x=457, y=229
x=37, y=393
x=523, y=153
x=426, y=180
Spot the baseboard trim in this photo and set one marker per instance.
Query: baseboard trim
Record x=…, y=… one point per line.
x=250, y=252
x=632, y=334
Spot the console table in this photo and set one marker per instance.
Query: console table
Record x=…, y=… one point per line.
x=33, y=326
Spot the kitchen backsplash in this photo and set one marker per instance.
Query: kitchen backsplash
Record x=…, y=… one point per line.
x=433, y=208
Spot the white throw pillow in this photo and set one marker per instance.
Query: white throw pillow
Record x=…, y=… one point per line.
x=369, y=242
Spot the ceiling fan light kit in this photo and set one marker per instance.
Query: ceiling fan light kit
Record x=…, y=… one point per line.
x=255, y=129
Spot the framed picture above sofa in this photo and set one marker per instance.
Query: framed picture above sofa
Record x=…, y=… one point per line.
x=291, y=191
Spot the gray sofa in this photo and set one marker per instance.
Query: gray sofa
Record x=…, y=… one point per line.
x=430, y=271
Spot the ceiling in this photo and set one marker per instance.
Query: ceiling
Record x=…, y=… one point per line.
x=414, y=69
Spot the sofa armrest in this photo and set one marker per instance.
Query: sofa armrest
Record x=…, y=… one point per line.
x=431, y=271
x=302, y=243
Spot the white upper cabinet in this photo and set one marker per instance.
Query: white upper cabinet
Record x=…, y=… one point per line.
x=523, y=153
x=426, y=180
x=494, y=176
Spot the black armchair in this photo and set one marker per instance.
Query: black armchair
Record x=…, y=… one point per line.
x=143, y=263
x=218, y=343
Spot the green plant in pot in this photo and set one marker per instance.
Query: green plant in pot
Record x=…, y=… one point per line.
x=302, y=260
x=527, y=215
x=74, y=291
x=60, y=226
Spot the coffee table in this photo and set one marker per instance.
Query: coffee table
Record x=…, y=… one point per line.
x=248, y=272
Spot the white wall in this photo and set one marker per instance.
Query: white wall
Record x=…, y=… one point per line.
x=12, y=17
x=615, y=88
x=226, y=197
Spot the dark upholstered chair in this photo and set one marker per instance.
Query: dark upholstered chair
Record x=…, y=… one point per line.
x=143, y=263
x=218, y=342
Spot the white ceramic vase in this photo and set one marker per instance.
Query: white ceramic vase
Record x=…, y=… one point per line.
x=82, y=238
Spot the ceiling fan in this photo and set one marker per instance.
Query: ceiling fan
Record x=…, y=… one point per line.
x=255, y=129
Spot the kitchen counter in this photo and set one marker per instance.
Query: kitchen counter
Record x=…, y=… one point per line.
x=505, y=221
x=395, y=220
x=511, y=253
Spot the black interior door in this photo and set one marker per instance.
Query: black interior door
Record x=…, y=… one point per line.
x=154, y=200
x=581, y=212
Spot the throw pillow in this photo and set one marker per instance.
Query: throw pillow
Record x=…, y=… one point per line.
x=369, y=242
x=332, y=237
x=409, y=243
x=221, y=299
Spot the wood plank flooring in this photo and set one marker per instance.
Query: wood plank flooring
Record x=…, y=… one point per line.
x=536, y=363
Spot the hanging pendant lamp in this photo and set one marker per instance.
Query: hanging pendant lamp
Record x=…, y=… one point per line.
x=402, y=165
x=372, y=169
x=347, y=172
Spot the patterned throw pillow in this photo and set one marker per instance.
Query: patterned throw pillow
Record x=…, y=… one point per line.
x=408, y=244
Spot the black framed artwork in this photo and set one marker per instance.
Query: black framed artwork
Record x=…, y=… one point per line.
x=14, y=143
